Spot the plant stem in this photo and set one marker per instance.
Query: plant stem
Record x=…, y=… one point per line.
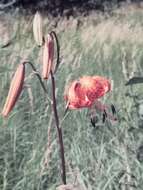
x=58, y=51
x=59, y=130
x=37, y=74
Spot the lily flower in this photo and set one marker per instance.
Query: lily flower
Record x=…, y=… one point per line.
x=85, y=91
x=15, y=89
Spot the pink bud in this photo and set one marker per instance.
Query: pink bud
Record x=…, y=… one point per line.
x=15, y=89
x=48, y=56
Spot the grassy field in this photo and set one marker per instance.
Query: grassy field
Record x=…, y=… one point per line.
x=107, y=157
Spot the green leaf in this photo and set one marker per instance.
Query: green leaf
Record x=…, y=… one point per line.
x=135, y=80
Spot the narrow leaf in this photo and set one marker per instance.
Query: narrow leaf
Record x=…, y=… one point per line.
x=135, y=80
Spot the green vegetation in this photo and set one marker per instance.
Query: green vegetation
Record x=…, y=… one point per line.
x=101, y=158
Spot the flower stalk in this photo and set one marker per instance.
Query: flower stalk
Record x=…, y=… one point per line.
x=59, y=129
x=54, y=105
x=38, y=75
x=50, y=69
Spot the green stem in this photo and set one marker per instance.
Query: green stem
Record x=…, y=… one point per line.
x=59, y=130
x=37, y=74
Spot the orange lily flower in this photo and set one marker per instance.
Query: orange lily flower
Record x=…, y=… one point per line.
x=15, y=89
x=48, y=56
x=85, y=91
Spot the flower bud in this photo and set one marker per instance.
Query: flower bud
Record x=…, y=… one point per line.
x=48, y=56
x=15, y=89
x=37, y=29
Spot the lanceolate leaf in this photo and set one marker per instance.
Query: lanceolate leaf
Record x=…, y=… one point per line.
x=135, y=80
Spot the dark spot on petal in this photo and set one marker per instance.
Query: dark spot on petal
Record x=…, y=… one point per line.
x=113, y=109
x=94, y=121
x=104, y=116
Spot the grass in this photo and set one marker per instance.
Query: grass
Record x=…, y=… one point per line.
x=101, y=158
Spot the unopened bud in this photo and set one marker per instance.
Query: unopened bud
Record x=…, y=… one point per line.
x=37, y=29
x=15, y=89
x=48, y=56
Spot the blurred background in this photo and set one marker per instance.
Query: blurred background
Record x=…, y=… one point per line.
x=61, y=6
x=96, y=38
